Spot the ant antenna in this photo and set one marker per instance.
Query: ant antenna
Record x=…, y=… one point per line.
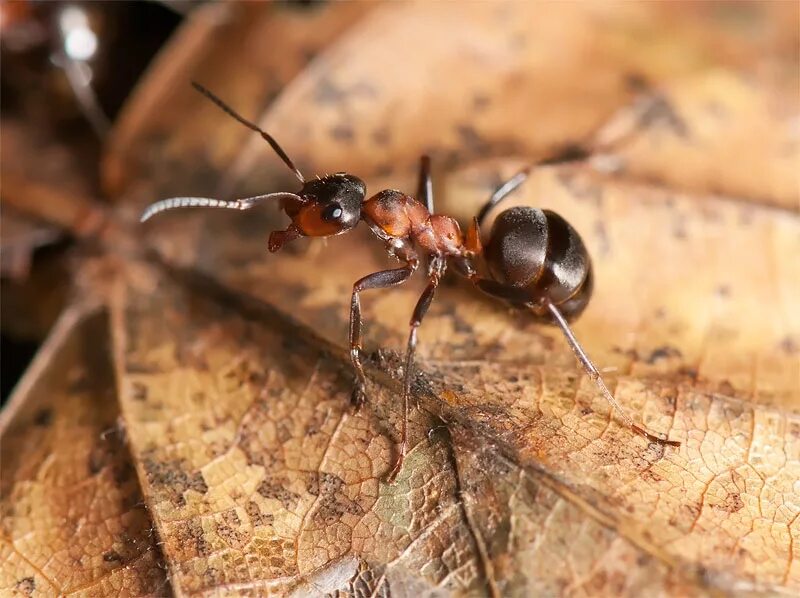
x=207, y=202
x=598, y=380
x=253, y=127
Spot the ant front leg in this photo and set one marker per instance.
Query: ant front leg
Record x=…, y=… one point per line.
x=435, y=273
x=377, y=280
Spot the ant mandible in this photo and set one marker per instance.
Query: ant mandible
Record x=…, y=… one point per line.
x=533, y=259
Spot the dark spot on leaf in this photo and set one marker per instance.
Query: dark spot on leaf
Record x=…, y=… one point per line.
x=193, y=532
x=257, y=518
x=480, y=102
x=789, y=346
x=139, y=391
x=660, y=353
x=732, y=503
x=471, y=139
x=26, y=586
x=213, y=577
x=326, y=92
x=275, y=489
x=43, y=417
x=651, y=476
x=230, y=530
x=171, y=479
x=661, y=111
x=636, y=82
x=112, y=557
x=726, y=388
x=382, y=136
x=384, y=170
x=343, y=132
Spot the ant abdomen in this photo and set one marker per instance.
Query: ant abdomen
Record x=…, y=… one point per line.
x=537, y=257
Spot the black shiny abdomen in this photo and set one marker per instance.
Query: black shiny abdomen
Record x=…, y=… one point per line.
x=536, y=255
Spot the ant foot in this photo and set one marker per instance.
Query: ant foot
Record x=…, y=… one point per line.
x=654, y=438
x=391, y=477
x=358, y=397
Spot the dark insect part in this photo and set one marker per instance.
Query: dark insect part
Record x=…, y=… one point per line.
x=532, y=259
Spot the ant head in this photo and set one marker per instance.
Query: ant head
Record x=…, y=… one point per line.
x=331, y=205
x=324, y=206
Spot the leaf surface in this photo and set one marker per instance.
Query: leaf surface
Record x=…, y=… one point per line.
x=528, y=457
x=74, y=522
x=232, y=368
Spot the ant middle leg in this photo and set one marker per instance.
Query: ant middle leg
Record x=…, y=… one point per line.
x=435, y=273
x=376, y=280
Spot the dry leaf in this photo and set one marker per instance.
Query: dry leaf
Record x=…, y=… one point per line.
x=232, y=372
x=74, y=520
x=692, y=520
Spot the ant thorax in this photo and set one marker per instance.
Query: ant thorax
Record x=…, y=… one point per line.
x=398, y=215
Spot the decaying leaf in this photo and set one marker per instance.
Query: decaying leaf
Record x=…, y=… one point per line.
x=728, y=393
x=74, y=519
x=232, y=372
x=262, y=481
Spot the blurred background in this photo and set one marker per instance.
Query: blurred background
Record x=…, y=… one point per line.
x=67, y=69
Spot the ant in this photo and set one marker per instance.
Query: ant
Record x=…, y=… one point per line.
x=532, y=259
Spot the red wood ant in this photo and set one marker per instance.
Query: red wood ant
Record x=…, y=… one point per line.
x=533, y=259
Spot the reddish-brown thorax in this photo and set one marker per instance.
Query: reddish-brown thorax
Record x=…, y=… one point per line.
x=400, y=216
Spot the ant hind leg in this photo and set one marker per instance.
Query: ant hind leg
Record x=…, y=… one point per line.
x=594, y=374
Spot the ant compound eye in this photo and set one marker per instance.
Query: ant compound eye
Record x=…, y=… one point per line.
x=332, y=212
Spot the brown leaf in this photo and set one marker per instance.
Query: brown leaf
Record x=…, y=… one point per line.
x=74, y=521
x=234, y=379
x=260, y=480
x=728, y=392
x=534, y=469
x=699, y=137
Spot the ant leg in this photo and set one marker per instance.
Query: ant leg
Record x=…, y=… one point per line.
x=569, y=154
x=594, y=374
x=503, y=191
x=376, y=280
x=437, y=268
x=425, y=185
x=279, y=238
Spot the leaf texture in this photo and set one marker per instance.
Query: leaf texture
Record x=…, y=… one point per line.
x=74, y=520
x=232, y=371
